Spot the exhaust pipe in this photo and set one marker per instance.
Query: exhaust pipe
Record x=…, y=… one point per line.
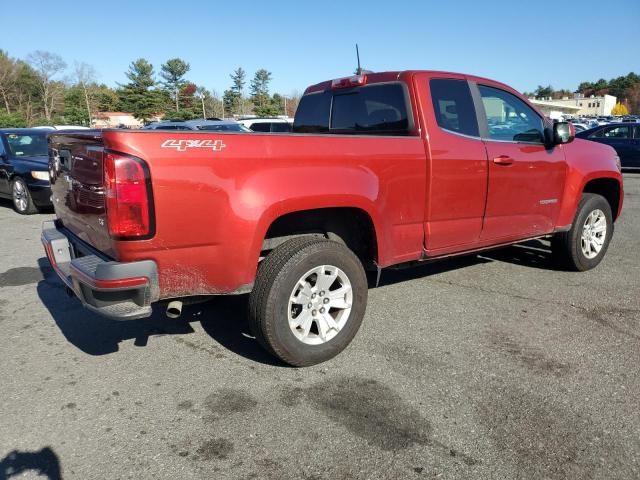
x=174, y=309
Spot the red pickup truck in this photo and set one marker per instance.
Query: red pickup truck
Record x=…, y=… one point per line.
x=380, y=169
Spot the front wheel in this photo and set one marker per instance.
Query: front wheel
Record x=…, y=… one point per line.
x=585, y=244
x=22, y=201
x=308, y=300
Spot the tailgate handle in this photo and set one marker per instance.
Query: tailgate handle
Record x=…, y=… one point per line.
x=503, y=160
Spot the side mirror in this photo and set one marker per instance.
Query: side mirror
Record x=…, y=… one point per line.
x=563, y=132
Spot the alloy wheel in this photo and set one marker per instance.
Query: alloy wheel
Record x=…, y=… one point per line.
x=320, y=305
x=594, y=233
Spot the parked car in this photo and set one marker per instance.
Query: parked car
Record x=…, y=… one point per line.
x=380, y=169
x=623, y=137
x=24, y=169
x=267, y=125
x=62, y=127
x=207, y=125
x=579, y=126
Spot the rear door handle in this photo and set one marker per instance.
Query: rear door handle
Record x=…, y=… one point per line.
x=503, y=160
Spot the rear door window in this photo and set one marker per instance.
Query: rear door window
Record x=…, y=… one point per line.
x=377, y=109
x=453, y=106
x=312, y=115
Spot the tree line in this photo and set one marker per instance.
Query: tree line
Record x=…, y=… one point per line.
x=43, y=89
x=626, y=88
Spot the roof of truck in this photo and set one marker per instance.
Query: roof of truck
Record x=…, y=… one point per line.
x=400, y=75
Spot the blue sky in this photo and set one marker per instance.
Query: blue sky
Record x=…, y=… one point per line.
x=549, y=42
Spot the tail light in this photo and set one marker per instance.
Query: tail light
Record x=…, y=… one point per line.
x=128, y=197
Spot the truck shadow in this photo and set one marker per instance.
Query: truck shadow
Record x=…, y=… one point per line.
x=533, y=254
x=224, y=318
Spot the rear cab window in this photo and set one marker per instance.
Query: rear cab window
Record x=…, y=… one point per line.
x=453, y=106
x=377, y=109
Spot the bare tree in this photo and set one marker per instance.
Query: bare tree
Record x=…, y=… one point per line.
x=8, y=73
x=47, y=65
x=217, y=104
x=86, y=77
x=291, y=104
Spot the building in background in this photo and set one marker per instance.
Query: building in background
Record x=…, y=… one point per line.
x=116, y=119
x=120, y=120
x=579, y=105
x=554, y=109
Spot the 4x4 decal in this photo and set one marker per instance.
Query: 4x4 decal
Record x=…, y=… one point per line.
x=182, y=145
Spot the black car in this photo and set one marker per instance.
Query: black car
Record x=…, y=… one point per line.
x=623, y=137
x=24, y=168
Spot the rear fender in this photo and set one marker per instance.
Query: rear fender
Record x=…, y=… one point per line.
x=294, y=205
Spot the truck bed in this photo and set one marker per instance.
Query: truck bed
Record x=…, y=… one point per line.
x=213, y=191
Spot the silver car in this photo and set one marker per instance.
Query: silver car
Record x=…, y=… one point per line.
x=205, y=125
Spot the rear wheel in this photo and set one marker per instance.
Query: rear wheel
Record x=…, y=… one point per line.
x=308, y=301
x=22, y=201
x=583, y=247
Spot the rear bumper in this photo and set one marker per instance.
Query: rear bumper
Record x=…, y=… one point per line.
x=121, y=291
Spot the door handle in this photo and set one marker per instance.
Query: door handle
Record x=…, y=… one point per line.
x=503, y=160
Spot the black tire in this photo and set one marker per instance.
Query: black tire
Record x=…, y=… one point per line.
x=278, y=274
x=22, y=202
x=567, y=246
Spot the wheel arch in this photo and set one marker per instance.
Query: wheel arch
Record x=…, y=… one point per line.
x=610, y=189
x=605, y=183
x=352, y=225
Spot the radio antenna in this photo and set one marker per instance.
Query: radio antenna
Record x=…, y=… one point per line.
x=359, y=70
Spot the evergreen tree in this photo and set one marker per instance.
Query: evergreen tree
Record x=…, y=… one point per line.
x=140, y=74
x=543, y=92
x=238, y=78
x=601, y=84
x=173, y=72
x=75, y=110
x=263, y=104
x=137, y=96
x=260, y=88
x=232, y=97
x=107, y=99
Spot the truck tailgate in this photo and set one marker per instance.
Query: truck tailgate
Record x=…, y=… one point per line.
x=77, y=186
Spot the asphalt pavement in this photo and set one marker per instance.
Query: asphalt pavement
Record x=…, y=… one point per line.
x=493, y=366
